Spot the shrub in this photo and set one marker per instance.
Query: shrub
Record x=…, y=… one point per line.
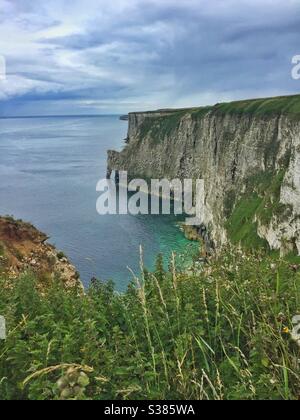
x=222, y=333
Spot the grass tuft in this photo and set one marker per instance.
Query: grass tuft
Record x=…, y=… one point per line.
x=222, y=333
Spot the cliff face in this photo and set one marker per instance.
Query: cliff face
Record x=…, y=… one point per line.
x=248, y=154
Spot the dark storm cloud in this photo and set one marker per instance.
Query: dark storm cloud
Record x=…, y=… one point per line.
x=96, y=57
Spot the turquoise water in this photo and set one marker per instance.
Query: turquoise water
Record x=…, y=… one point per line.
x=49, y=168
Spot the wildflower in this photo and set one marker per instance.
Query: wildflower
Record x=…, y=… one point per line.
x=286, y=330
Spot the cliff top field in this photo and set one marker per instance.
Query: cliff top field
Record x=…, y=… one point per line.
x=285, y=105
x=225, y=333
x=168, y=119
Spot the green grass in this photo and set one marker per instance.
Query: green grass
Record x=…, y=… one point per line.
x=61, y=255
x=220, y=334
x=286, y=105
x=261, y=201
x=160, y=127
x=241, y=227
x=268, y=186
x=201, y=112
x=2, y=249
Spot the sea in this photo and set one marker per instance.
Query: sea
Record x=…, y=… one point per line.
x=49, y=169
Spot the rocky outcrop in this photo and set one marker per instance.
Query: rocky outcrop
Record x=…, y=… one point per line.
x=24, y=248
x=240, y=149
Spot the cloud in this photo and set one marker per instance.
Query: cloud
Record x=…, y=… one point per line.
x=125, y=55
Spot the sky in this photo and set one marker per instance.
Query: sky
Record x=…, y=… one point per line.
x=109, y=57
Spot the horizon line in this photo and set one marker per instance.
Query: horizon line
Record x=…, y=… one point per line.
x=60, y=116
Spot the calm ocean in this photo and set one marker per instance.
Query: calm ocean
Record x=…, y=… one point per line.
x=49, y=168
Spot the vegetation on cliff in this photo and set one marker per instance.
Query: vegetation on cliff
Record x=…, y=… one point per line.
x=281, y=105
x=223, y=333
x=259, y=203
x=159, y=127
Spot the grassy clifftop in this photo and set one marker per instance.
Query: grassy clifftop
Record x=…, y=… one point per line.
x=224, y=333
x=285, y=105
x=159, y=126
x=280, y=105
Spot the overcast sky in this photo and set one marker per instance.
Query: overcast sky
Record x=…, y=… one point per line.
x=100, y=56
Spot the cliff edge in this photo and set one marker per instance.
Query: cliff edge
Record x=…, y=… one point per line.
x=24, y=248
x=248, y=154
